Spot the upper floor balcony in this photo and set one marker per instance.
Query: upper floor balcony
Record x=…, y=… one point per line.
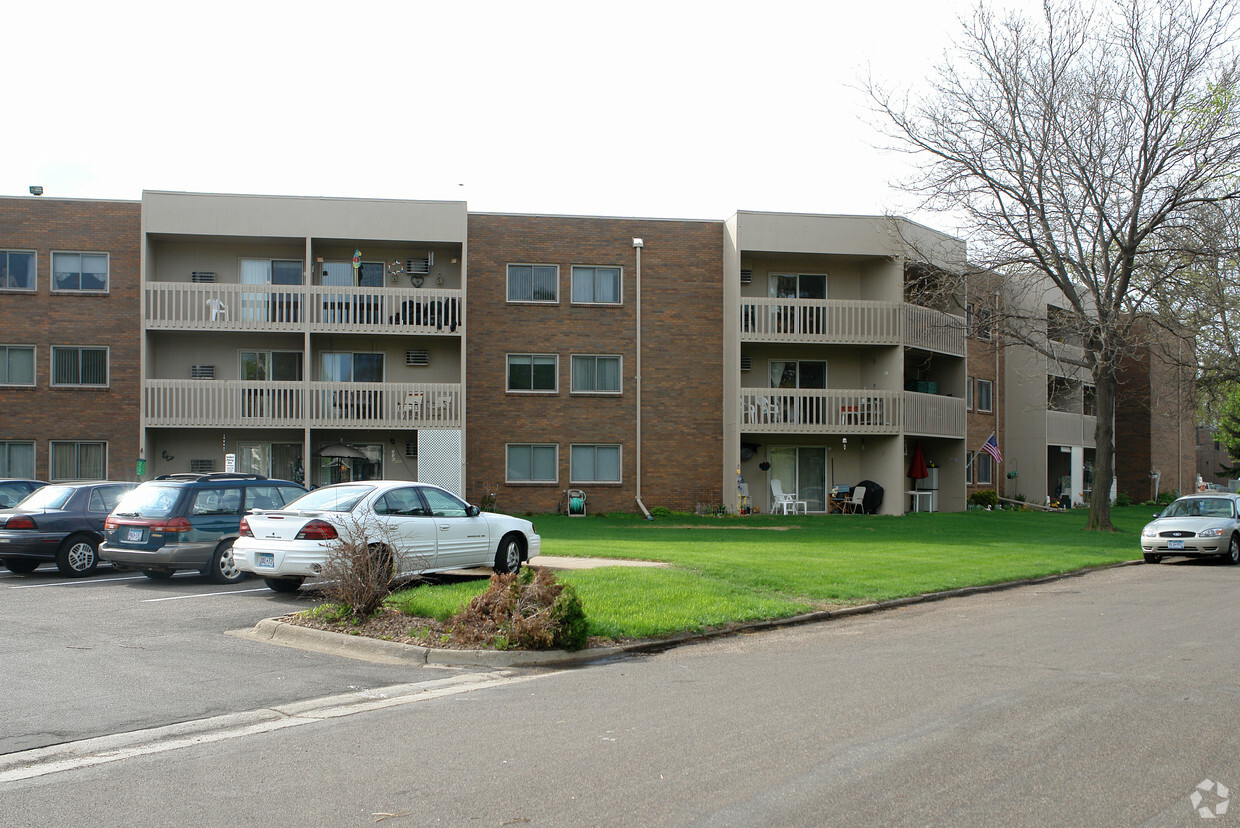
x=331, y=309
x=847, y=411
x=264, y=404
x=850, y=322
x=1066, y=429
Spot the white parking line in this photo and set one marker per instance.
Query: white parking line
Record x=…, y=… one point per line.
x=203, y=595
x=79, y=583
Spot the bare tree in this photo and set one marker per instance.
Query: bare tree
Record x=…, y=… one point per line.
x=1074, y=146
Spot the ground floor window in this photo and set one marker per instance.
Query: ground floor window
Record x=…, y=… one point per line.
x=278, y=460
x=79, y=461
x=984, y=465
x=595, y=464
x=532, y=463
x=346, y=469
x=801, y=471
x=17, y=460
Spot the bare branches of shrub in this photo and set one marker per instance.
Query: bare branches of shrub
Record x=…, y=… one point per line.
x=363, y=563
x=523, y=611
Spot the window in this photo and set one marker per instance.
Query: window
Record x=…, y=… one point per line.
x=533, y=283
x=985, y=465
x=595, y=464
x=1059, y=325
x=16, y=365
x=533, y=372
x=597, y=285
x=983, y=324
x=79, y=366
x=17, y=460
x=279, y=366
x=79, y=461
x=217, y=502
x=443, y=504
x=532, y=463
x=801, y=374
x=16, y=270
x=80, y=272
x=984, y=393
x=1089, y=401
x=598, y=374
x=799, y=286
x=346, y=367
x=968, y=393
x=1059, y=393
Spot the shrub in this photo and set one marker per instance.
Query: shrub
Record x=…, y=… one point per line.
x=360, y=567
x=1123, y=499
x=1167, y=497
x=523, y=611
x=984, y=498
x=661, y=512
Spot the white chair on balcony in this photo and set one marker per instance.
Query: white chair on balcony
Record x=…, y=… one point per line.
x=411, y=408
x=769, y=411
x=218, y=308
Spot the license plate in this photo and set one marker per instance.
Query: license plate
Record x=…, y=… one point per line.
x=1175, y=544
x=267, y=559
x=133, y=535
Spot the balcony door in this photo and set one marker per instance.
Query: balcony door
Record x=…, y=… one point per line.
x=277, y=366
x=352, y=307
x=272, y=307
x=803, y=469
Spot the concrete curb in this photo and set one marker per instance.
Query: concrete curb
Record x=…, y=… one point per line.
x=275, y=631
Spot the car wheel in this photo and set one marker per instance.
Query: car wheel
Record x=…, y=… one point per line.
x=157, y=574
x=1153, y=558
x=284, y=584
x=508, y=556
x=223, y=569
x=1233, y=550
x=77, y=556
x=21, y=566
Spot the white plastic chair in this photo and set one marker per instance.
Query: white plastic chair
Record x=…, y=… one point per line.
x=856, y=504
x=784, y=502
x=771, y=413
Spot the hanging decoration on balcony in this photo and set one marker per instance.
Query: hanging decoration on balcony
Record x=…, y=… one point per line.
x=397, y=268
x=357, y=259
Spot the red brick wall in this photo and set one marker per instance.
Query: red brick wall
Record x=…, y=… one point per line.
x=682, y=358
x=1155, y=417
x=43, y=319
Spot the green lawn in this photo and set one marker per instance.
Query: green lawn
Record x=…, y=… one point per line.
x=743, y=569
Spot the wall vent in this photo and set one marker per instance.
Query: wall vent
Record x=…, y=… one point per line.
x=746, y=276
x=201, y=466
x=203, y=372
x=202, y=276
x=411, y=447
x=420, y=265
x=417, y=357
x=746, y=363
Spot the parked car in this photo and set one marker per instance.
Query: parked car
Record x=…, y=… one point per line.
x=1207, y=523
x=61, y=523
x=426, y=528
x=188, y=521
x=13, y=492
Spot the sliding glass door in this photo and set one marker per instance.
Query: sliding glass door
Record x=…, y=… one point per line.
x=802, y=470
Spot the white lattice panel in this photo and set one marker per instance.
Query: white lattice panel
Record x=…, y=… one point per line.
x=439, y=458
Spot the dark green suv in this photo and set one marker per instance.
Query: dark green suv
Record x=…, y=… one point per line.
x=188, y=521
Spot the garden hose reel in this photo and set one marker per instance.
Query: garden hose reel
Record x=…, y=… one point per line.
x=575, y=504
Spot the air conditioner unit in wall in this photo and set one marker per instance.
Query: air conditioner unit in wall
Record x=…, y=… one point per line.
x=202, y=372
x=202, y=276
x=417, y=357
x=746, y=276
x=411, y=448
x=420, y=265
x=746, y=363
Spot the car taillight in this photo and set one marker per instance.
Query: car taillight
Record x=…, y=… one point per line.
x=109, y=524
x=245, y=530
x=176, y=524
x=317, y=530
x=20, y=522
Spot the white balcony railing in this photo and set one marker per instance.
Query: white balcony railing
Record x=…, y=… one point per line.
x=850, y=322
x=933, y=330
x=933, y=415
x=243, y=403
x=1065, y=429
x=233, y=307
x=840, y=411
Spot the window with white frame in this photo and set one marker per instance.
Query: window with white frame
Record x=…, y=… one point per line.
x=72, y=365
x=16, y=365
x=79, y=461
x=533, y=283
x=596, y=374
x=984, y=464
x=594, y=464
x=80, y=272
x=968, y=393
x=17, y=271
x=533, y=372
x=985, y=391
x=340, y=366
x=17, y=459
x=532, y=462
x=596, y=285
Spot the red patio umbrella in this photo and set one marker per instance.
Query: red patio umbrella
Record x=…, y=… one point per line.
x=917, y=467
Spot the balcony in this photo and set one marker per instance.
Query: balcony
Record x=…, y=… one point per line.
x=849, y=322
x=250, y=404
x=841, y=411
x=234, y=307
x=1066, y=429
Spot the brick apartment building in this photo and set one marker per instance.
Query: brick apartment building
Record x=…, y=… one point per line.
x=69, y=370
x=648, y=362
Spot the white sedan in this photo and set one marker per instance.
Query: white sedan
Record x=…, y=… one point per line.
x=1195, y=525
x=428, y=528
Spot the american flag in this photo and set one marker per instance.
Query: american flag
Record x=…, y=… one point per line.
x=992, y=448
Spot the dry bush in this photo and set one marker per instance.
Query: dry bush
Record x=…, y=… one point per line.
x=522, y=611
x=361, y=567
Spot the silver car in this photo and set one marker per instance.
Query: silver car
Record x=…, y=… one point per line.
x=1195, y=526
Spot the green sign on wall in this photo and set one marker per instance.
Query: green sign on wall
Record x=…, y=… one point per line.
x=141, y=468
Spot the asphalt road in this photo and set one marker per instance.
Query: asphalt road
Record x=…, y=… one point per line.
x=1099, y=700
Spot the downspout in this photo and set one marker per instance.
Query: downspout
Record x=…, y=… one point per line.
x=637, y=249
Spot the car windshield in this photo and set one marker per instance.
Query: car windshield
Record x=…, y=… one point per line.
x=1214, y=507
x=330, y=499
x=149, y=500
x=48, y=497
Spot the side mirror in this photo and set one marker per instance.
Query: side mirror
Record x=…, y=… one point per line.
x=472, y=511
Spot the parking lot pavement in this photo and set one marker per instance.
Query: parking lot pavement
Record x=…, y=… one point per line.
x=116, y=652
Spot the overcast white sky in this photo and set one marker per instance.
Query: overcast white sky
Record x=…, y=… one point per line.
x=664, y=109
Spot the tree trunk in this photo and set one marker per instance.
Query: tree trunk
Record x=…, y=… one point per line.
x=1104, y=452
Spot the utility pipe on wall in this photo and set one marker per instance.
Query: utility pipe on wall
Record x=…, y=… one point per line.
x=637, y=249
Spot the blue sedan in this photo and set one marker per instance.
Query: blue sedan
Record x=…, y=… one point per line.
x=61, y=523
